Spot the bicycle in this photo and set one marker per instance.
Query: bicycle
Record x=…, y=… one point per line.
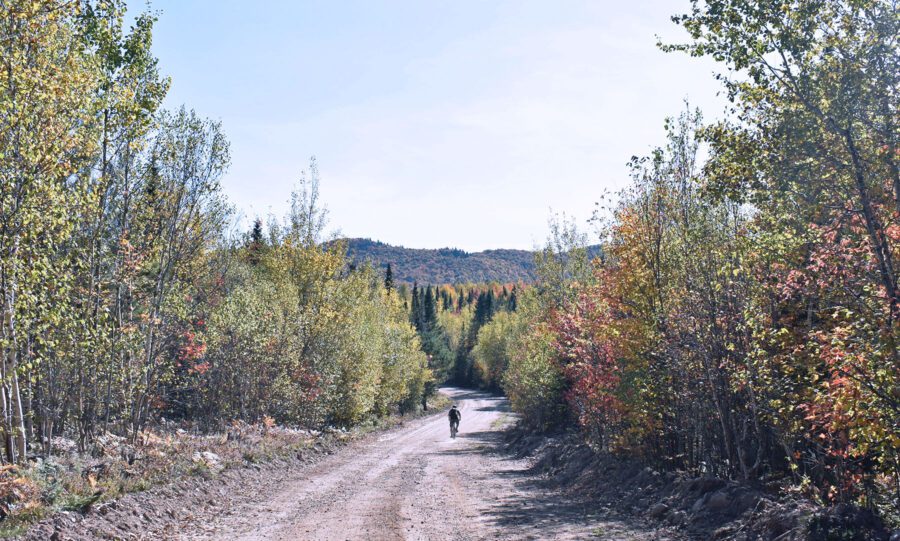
x=454, y=428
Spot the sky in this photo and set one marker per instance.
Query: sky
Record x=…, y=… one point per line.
x=434, y=123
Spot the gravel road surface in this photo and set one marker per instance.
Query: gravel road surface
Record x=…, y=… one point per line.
x=414, y=483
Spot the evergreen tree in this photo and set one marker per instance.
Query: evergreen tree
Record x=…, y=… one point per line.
x=429, y=314
x=461, y=369
x=389, y=279
x=415, y=311
x=257, y=243
x=484, y=309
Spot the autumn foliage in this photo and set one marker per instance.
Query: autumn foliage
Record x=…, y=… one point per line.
x=742, y=319
x=129, y=297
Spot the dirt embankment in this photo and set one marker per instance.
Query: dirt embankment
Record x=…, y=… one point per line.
x=160, y=512
x=701, y=508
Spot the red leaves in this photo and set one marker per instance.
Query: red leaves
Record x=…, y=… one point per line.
x=191, y=353
x=200, y=368
x=587, y=354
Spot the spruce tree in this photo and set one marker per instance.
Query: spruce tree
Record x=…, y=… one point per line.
x=256, y=244
x=414, y=313
x=461, y=360
x=389, y=279
x=483, y=309
x=429, y=314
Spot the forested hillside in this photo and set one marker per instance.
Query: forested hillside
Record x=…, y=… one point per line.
x=445, y=265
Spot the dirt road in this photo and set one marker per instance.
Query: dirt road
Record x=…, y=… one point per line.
x=413, y=483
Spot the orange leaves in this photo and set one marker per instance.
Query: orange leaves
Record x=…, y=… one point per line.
x=192, y=352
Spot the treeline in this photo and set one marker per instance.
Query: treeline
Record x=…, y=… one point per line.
x=123, y=296
x=448, y=318
x=743, y=319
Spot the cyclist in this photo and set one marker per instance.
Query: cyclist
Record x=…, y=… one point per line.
x=455, y=417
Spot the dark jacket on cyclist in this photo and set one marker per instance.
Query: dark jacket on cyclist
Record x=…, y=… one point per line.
x=455, y=415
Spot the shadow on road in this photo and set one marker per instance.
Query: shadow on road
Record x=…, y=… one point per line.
x=499, y=407
x=498, y=402
x=459, y=394
x=536, y=505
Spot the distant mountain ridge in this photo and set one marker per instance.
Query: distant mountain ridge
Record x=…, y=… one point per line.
x=444, y=265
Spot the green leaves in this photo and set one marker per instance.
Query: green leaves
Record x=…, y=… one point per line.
x=122, y=296
x=814, y=102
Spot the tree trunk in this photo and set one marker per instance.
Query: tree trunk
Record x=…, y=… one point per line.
x=880, y=246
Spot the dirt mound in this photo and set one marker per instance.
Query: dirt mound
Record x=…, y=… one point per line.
x=701, y=507
x=848, y=523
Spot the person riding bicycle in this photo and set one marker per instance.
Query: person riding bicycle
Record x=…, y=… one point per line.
x=455, y=417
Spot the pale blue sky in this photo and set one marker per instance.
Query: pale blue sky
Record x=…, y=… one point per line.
x=435, y=123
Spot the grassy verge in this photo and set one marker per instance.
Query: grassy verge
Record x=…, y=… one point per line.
x=111, y=467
